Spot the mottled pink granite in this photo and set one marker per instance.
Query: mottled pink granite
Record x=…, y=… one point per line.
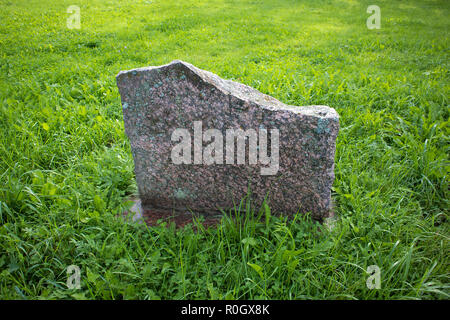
x=158, y=100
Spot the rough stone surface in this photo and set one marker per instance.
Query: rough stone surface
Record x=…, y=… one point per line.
x=158, y=100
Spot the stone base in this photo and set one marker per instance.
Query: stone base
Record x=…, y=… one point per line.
x=182, y=218
x=151, y=216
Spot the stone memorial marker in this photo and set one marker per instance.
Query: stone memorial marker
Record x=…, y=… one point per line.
x=199, y=142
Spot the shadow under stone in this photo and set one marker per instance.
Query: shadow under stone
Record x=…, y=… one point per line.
x=153, y=217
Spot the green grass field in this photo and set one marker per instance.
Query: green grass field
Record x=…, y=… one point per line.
x=66, y=167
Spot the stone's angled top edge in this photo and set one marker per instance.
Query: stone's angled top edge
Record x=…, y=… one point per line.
x=142, y=69
x=244, y=92
x=319, y=111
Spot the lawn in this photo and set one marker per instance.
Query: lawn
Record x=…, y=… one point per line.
x=66, y=167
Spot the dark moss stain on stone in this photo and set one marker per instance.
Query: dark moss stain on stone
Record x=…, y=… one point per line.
x=322, y=126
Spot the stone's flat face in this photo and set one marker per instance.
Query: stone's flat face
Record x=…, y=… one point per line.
x=177, y=118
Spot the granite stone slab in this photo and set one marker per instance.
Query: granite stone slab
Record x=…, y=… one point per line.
x=177, y=118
